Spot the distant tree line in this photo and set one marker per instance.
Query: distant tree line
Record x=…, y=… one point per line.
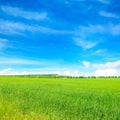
x=59, y=76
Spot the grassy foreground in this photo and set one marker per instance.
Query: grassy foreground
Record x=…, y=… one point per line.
x=25, y=98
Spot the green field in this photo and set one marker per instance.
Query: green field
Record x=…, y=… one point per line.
x=29, y=98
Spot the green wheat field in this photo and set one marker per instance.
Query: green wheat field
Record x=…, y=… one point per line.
x=33, y=98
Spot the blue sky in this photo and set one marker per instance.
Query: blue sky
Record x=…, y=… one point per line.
x=71, y=37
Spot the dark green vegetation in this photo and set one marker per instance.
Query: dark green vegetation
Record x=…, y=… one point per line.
x=29, y=98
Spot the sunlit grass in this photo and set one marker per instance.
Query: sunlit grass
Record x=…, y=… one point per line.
x=25, y=98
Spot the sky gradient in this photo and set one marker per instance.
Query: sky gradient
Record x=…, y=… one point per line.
x=70, y=37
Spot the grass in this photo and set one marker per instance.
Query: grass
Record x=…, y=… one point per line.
x=26, y=98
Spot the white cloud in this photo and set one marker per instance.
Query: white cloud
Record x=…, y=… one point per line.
x=88, y=69
x=76, y=73
x=108, y=65
x=86, y=64
x=24, y=73
x=108, y=14
x=11, y=71
x=17, y=12
x=84, y=36
x=8, y=71
x=57, y=72
x=71, y=73
x=106, y=72
x=85, y=44
x=106, y=69
x=67, y=73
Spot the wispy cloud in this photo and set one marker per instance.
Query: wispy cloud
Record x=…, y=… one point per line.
x=8, y=27
x=20, y=61
x=110, y=28
x=92, y=29
x=100, y=52
x=12, y=28
x=18, y=12
x=86, y=64
x=104, y=1
x=3, y=43
x=85, y=36
x=85, y=44
x=108, y=14
x=113, y=29
x=14, y=61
